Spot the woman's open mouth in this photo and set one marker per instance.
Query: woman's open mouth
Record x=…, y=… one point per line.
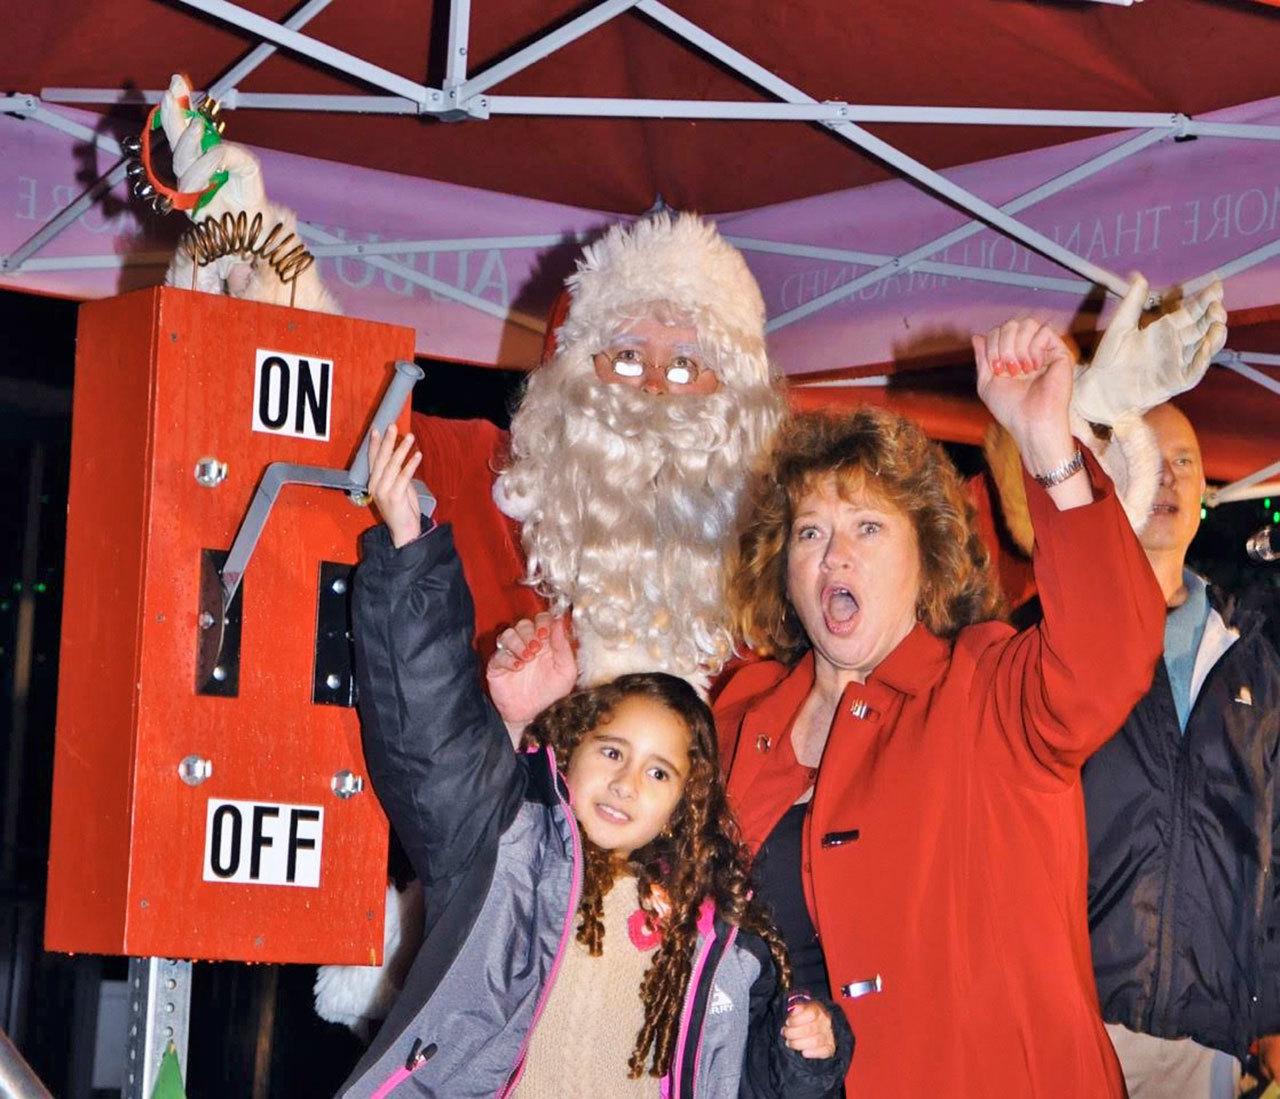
x=839, y=609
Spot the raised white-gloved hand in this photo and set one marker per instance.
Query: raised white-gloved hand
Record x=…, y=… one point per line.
x=195, y=161
x=243, y=189
x=198, y=155
x=1134, y=369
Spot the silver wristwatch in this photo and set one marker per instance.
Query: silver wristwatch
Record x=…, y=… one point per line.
x=1060, y=472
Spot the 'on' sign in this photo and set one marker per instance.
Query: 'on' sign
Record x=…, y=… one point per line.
x=292, y=394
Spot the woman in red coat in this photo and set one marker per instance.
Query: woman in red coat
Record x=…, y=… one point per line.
x=907, y=769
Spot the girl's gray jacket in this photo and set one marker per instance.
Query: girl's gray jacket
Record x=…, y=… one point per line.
x=490, y=834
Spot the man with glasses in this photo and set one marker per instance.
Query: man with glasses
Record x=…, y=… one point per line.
x=632, y=443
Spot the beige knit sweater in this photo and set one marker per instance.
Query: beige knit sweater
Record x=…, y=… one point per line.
x=589, y=1024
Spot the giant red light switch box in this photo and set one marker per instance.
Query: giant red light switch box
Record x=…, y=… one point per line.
x=188, y=824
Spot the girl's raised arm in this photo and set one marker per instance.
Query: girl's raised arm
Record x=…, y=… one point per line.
x=437, y=752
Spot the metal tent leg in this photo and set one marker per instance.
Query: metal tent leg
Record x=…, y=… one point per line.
x=159, y=1013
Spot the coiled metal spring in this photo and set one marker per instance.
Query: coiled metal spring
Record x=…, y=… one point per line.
x=235, y=235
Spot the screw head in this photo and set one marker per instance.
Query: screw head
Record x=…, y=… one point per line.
x=333, y=681
x=205, y=620
x=194, y=769
x=346, y=784
x=219, y=672
x=210, y=472
x=339, y=586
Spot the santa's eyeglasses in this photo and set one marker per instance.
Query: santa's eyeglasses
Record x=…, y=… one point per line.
x=628, y=362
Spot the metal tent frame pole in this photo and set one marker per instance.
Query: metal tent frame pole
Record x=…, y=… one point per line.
x=374, y=259
x=882, y=150
x=467, y=95
x=159, y=1016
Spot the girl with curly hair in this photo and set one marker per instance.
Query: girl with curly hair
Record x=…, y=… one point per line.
x=590, y=927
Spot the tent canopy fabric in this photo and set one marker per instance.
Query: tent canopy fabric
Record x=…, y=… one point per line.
x=1170, y=57
x=1188, y=56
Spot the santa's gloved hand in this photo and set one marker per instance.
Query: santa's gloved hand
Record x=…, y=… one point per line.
x=199, y=154
x=243, y=189
x=1135, y=369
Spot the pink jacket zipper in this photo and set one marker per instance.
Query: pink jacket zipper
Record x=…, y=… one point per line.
x=706, y=927
x=697, y=1056
x=574, y=891
x=393, y=1081
x=417, y=1058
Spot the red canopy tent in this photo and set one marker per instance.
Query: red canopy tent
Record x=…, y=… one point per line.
x=1187, y=56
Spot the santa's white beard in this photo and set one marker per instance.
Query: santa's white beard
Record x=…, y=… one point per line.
x=629, y=503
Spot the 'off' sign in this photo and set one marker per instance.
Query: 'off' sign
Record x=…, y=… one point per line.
x=263, y=843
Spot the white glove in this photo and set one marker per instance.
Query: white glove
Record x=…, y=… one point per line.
x=1134, y=369
x=243, y=189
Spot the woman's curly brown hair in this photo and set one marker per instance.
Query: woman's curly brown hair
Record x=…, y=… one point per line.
x=698, y=856
x=892, y=459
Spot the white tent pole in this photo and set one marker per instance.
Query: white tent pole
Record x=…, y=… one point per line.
x=826, y=111
x=362, y=249
x=409, y=274
x=68, y=215
x=806, y=251
x=343, y=104
x=882, y=150
x=110, y=261
x=542, y=47
x=460, y=244
x=874, y=259
x=456, y=49
x=233, y=99
x=585, y=106
x=932, y=247
x=1248, y=130
x=263, y=50
x=56, y=224
x=1234, y=267
x=318, y=51
x=1236, y=360
x=1247, y=488
x=101, y=95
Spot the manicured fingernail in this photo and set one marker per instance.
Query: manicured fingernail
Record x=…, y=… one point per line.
x=543, y=633
x=533, y=647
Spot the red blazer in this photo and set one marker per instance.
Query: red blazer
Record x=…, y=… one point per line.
x=965, y=887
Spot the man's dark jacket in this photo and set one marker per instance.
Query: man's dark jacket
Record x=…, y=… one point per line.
x=1184, y=910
